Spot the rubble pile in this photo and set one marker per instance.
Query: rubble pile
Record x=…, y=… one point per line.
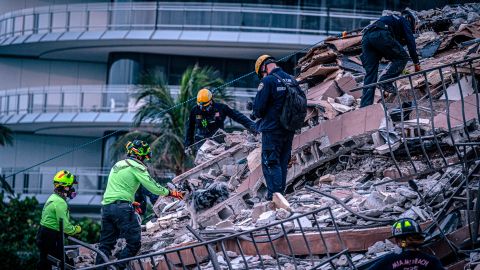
x=342, y=157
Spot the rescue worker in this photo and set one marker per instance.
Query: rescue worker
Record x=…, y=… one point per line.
x=386, y=38
x=209, y=116
x=119, y=219
x=276, y=140
x=408, y=235
x=49, y=239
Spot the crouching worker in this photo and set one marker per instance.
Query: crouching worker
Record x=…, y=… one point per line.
x=408, y=235
x=118, y=215
x=49, y=239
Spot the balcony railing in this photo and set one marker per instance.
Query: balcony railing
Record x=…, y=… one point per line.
x=38, y=180
x=151, y=16
x=87, y=98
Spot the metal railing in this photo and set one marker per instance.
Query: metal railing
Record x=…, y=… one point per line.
x=180, y=16
x=87, y=98
x=432, y=118
x=39, y=180
x=270, y=246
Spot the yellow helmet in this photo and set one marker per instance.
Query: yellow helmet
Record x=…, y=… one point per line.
x=64, y=178
x=259, y=63
x=204, y=97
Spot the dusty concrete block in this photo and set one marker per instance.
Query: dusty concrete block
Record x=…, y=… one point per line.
x=224, y=224
x=282, y=214
x=260, y=208
x=304, y=222
x=266, y=218
x=280, y=202
x=326, y=179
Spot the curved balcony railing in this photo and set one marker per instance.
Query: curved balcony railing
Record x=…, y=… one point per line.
x=39, y=180
x=180, y=16
x=87, y=98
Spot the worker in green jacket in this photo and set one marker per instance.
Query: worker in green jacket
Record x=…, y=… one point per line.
x=118, y=215
x=49, y=239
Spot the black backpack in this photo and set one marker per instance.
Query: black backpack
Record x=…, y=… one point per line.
x=294, y=109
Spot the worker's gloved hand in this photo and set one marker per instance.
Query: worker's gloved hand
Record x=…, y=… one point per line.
x=175, y=194
x=250, y=105
x=417, y=67
x=136, y=206
x=188, y=151
x=78, y=229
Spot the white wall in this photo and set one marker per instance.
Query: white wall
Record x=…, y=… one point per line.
x=11, y=5
x=29, y=149
x=33, y=72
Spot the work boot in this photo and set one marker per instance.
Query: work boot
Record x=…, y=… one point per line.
x=388, y=87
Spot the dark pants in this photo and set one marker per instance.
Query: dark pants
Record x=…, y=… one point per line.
x=378, y=43
x=276, y=151
x=119, y=221
x=49, y=242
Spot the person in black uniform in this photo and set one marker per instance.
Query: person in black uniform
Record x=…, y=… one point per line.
x=408, y=235
x=276, y=140
x=209, y=116
x=386, y=38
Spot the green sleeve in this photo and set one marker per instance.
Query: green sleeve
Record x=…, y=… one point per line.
x=150, y=184
x=62, y=213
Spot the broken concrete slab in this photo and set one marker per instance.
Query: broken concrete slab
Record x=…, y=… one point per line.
x=280, y=202
x=453, y=91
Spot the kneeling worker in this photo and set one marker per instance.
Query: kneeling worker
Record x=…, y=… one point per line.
x=209, y=116
x=119, y=219
x=408, y=235
x=49, y=239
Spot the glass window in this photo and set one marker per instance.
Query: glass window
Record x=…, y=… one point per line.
x=124, y=71
x=228, y=18
x=77, y=21
x=168, y=17
x=198, y=17
x=121, y=19
x=23, y=103
x=92, y=102
x=54, y=102
x=59, y=22
x=28, y=24
x=98, y=20
x=38, y=102
x=143, y=19
x=18, y=26
x=256, y=19
x=43, y=23
x=284, y=21
x=12, y=104
x=71, y=102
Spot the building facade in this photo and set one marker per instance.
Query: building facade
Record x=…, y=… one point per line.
x=68, y=68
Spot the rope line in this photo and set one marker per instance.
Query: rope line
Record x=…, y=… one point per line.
x=162, y=112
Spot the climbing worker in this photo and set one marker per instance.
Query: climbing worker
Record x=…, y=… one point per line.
x=49, y=239
x=276, y=138
x=119, y=219
x=386, y=38
x=209, y=116
x=409, y=237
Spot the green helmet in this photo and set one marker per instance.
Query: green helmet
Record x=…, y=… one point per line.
x=64, y=178
x=139, y=148
x=406, y=226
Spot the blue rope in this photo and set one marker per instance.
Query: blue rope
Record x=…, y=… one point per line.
x=162, y=112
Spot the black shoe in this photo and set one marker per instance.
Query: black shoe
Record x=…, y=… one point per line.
x=389, y=88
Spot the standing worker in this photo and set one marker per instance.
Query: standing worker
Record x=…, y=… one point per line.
x=269, y=106
x=385, y=38
x=118, y=214
x=209, y=116
x=49, y=239
x=408, y=236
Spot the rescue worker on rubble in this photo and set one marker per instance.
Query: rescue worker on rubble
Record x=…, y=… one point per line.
x=119, y=219
x=276, y=140
x=49, y=239
x=386, y=38
x=409, y=237
x=209, y=116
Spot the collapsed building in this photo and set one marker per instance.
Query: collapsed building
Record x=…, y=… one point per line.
x=353, y=170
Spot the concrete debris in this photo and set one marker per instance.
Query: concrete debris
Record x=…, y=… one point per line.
x=342, y=151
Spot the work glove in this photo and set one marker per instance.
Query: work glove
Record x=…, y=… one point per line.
x=249, y=105
x=188, y=151
x=136, y=206
x=417, y=67
x=78, y=229
x=175, y=194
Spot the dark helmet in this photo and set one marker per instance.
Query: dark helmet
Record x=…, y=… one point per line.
x=411, y=17
x=406, y=226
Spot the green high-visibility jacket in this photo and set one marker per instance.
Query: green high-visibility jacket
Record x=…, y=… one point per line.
x=124, y=179
x=55, y=209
